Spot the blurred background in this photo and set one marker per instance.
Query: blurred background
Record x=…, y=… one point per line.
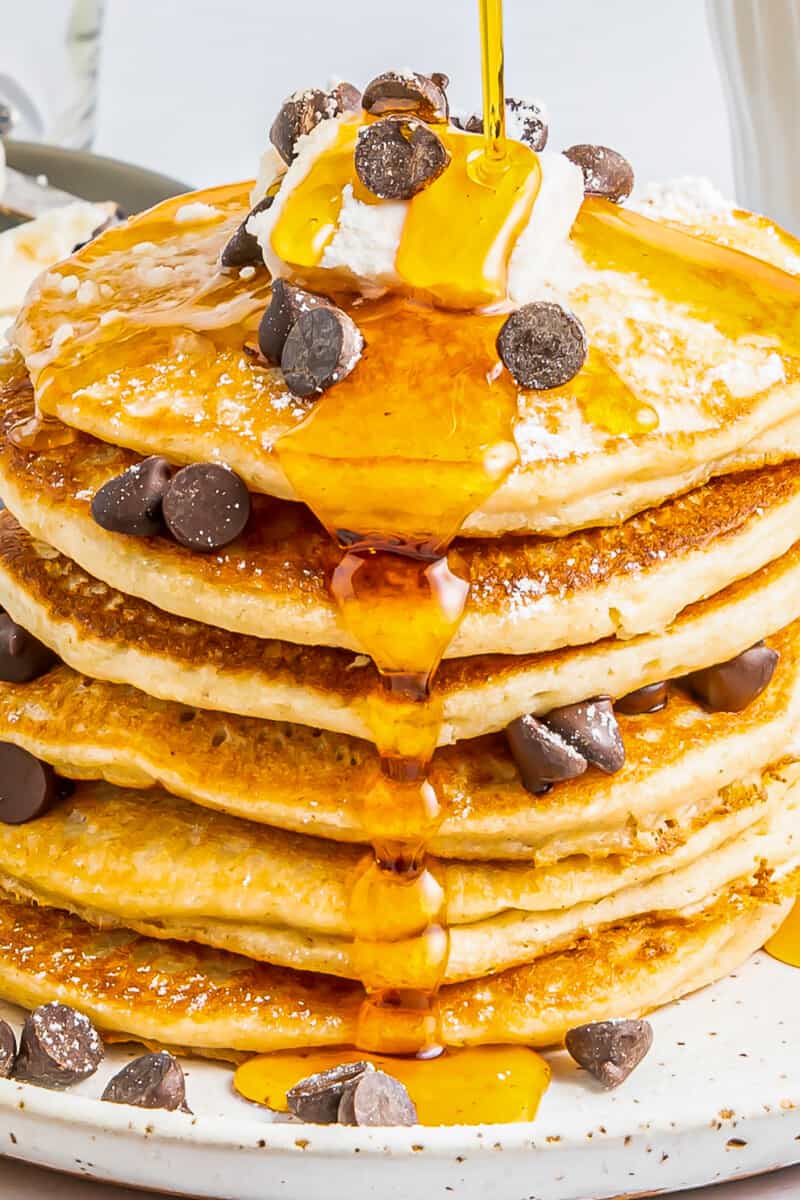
x=190, y=86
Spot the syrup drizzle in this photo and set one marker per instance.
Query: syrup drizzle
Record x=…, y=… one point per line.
x=397, y=512
x=481, y=1085
x=363, y=462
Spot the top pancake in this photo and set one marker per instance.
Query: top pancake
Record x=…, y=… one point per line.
x=686, y=379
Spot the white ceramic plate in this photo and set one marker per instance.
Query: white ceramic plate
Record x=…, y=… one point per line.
x=716, y=1099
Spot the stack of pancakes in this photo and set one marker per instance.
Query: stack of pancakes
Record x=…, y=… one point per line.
x=215, y=711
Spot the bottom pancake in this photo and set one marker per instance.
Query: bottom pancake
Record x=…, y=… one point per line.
x=212, y=1002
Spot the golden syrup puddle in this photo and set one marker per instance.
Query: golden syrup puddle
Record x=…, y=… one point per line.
x=479, y=1086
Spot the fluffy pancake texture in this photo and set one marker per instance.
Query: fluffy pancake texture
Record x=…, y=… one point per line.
x=311, y=781
x=156, y=363
x=107, y=635
x=168, y=869
x=207, y=1000
x=526, y=594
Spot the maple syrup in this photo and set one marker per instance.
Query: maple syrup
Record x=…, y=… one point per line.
x=424, y=455
x=785, y=942
x=477, y=1086
x=491, y=163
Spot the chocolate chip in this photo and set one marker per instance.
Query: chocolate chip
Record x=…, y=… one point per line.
x=649, y=699
x=286, y=303
x=591, y=728
x=406, y=92
x=22, y=656
x=605, y=172
x=525, y=121
x=8, y=1050
x=542, y=756
x=206, y=506
x=542, y=345
x=131, y=502
x=303, y=111
x=317, y=1097
x=58, y=1047
x=377, y=1099
x=28, y=787
x=441, y=80
x=398, y=157
x=321, y=349
x=243, y=249
x=731, y=686
x=610, y=1050
x=152, y=1081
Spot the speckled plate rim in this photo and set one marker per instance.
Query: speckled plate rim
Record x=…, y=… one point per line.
x=691, y=1115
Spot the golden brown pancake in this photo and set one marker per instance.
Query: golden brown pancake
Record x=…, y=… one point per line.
x=108, y=635
x=528, y=594
x=169, y=869
x=311, y=781
x=152, y=358
x=184, y=995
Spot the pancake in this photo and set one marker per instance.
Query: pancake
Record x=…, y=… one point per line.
x=527, y=595
x=311, y=781
x=151, y=357
x=206, y=1000
x=107, y=635
x=168, y=869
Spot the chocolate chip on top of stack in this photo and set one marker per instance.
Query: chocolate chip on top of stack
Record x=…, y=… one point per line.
x=409, y=604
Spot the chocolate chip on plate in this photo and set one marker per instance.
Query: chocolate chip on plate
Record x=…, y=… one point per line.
x=58, y=1047
x=605, y=172
x=542, y=345
x=542, y=756
x=649, y=699
x=406, y=92
x=592, y=729
x=732, y=685
x=397, y=157
x=151, y=1081
x=376, y=1098
x=610, y=1050
x=206, y=506
x=525, y=122
x=321, y=349
x=286, y=303
x=28, y=787
x=22, y=656
x=8, y=1050
x=243, y=250
x=131, y=502
x=304, y=110
x=317, y=1098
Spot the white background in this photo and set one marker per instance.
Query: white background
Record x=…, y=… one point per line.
x=190, y=87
